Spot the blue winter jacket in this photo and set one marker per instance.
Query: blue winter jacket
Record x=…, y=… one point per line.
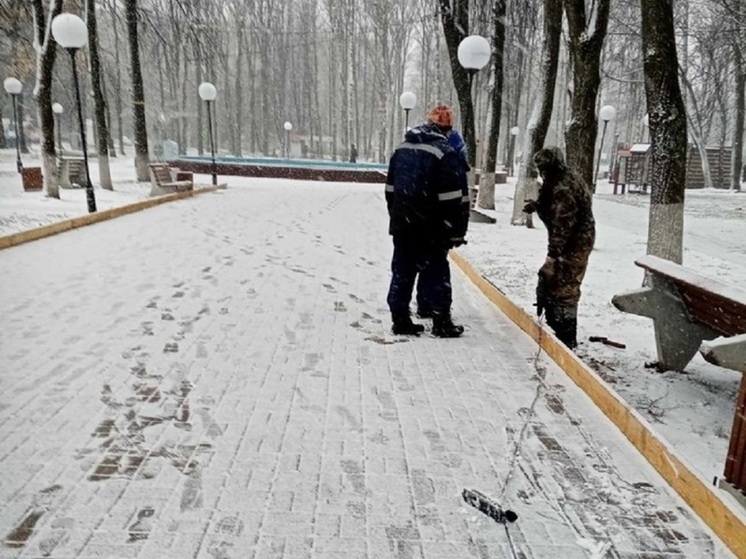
x=426, y=190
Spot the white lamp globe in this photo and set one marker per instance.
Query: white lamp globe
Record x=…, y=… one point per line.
x=407, y=100
x=607, y=113
x=57, y=109
x=514, y=131
x=69, y=31
x=287, y=126
x=474, y=52
x=207, y=91
x=12, y=86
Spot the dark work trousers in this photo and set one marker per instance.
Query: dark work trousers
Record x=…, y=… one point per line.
x=427, y=258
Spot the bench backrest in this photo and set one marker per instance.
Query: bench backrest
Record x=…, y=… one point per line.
x=711, y=303
x=161, y=174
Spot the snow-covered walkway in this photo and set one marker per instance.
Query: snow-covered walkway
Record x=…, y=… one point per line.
x=215, y=378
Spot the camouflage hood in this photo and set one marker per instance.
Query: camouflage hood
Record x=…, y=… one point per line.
x=550, y=162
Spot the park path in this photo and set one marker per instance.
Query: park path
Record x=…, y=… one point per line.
x=215, y=378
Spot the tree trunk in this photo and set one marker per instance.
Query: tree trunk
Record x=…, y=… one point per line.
x=739, y=124
x=109, y=127
x=536, y=131
x=239, y=88
x=102, y=138
x=200, y=117
x=138, y=95
x=46, y=53
x=585, y=50
x=455, y=20
x=2, y=129
x=21, y=119
x=118, y=85
x=486, y=197
x=667, y=116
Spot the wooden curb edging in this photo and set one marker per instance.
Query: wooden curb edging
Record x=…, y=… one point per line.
x=75, y=222
x=706, y=502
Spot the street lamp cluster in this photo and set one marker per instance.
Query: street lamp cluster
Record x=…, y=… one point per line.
x=70, y=32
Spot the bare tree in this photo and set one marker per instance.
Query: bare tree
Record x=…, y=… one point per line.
x=486, y=198
x=102, y=138
x=138, y=94
x=527, y=186
x=46, y=54
x=454, y=16
x=587, y=30
x=667, y=129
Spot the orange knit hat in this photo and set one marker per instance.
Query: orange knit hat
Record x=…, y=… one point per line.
x=441, y=115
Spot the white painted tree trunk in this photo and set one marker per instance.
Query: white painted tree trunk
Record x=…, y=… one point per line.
x=45, y=47
x=51, y=175
x=142, y=170
x=104, y=174
x=526, y=187
x=665, y=227
x=486, y=192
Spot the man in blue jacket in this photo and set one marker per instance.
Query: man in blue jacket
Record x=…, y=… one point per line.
x=428, y=206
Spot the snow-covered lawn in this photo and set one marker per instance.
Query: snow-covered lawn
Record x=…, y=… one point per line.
x=693, y=411
x=21, y=210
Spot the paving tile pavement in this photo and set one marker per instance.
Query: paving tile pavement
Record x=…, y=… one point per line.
x=215, y=378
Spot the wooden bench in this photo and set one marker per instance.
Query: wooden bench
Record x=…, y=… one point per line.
x=71, y=172
x=163, y=182
x=692, y=312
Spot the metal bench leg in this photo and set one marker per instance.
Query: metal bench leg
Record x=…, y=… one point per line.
x=677, y=339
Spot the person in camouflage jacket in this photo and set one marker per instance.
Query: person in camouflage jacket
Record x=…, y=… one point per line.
x=564, y=206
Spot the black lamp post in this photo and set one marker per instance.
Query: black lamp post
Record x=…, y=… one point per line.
x=208, y=94
x=606, y=113
x=58, y=110
x=407, y=101
x=288, y=126
x=71, y=34
x=13, y=87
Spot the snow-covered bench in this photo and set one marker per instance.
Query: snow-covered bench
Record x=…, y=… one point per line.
x=163, y=183
x=71, y=172
x=692, y=312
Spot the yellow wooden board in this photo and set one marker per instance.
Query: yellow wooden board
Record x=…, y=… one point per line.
x=711, y=504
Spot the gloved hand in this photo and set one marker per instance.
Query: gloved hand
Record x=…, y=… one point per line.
x=547, y=270
x=541, y=296
x=530, y=207
x=456, y=241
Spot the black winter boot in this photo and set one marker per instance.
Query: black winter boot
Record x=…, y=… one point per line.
x=566, y=326
x=443, y=327
x=403, y=325
x=424, y=312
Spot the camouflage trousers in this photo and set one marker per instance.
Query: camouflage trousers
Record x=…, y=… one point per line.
x=569, y=271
